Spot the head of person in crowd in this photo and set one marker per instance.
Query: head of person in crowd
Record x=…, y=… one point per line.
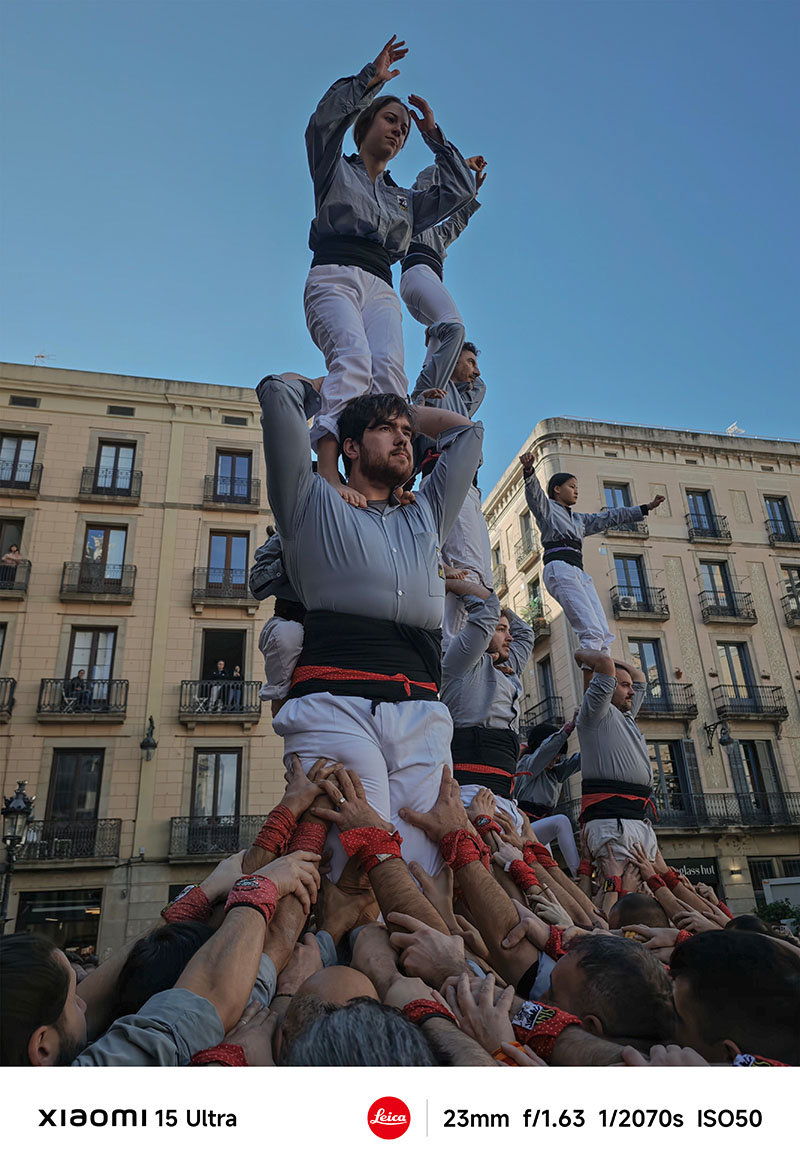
x=500, y=645
x=375, y=432
x=637, y=909
x=563, y=488
x=617, y=988
x=156, y=962
x=322, y=992
x=466, y=368
x=381, y=130
x=737, y=993
x=362, y=1033
x=537, y=735
x=44, y=1019
x=751, y=924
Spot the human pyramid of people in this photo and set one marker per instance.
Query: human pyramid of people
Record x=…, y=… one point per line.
x=402, y=904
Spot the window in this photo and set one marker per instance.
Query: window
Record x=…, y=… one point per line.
x=497, y=559
x=791, y=579
x=631, y=579
x=717, y=589
x=760, y=767
x=544, y=671
x=69, y=918
x=3, y=631
x=227, y=561
x=222, y=645
x=215, y=801
x=103, y=558
x=701, y=511
x=10, y=533
x=735, y=670
x=779, y=517
x=232, y=476
x=534, y=592
x=12, y=572
x=617, y=494
x=113, y=473
x=90, y=651
x=17, y=454
x=74, y=791
x=646, y=654
x=761, y=869
x=671, y=787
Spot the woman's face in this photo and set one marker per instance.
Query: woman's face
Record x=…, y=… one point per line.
x=387, y=132
x=14, y=548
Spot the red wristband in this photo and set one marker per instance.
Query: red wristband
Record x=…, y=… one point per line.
x=721, y=905
x=418, y=1010
x=309, y=837
x=671, y=879
x=231, y=1054
x=276, y=830
x=656, y=882
x=370, y=846
x=585, y=868
x=554, y=947
x=538, y=1026
x=613, y=885
x=486, y=824
x=523, y=876
x=537, y=852
x=461, y=848
x=256, y=892
x=190, y=905
x=683, y=936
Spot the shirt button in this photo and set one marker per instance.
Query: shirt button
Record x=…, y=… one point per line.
x=394, y=550
x=399, y=592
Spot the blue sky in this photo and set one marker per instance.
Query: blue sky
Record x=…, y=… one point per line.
x=636, y=257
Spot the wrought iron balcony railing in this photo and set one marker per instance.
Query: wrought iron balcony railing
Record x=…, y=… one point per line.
x=750, y=702
x=525, y=548
x=223, y=696
x=708, y=527
x=716, y=606
x=204, y=835
x=791, y=608
x=120, y=485
x=14, y=577
x=537, y=616
x=639, y=601
x=227, y=490
x=217, y=584
x=20, y=477
x=718, y=810
x=549, y=710
x=77, y=697
x=500, y=578
x=669, y=700
x=7, y=688
x=64, y=840
x=783, y=531
x=87, y=578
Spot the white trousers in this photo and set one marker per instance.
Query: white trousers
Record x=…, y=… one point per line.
x=470, y=790
x=611, y=842
x=575, y=592
x=558, y=828
x=356, y=320
x=398, y=752
x=426, y=297
x=467, y=546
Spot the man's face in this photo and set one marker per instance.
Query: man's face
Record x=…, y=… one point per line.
x=384, y=455
x=622, y=697
x=567, y=985
x=466, y=369
x=500, y=644
x=220, y=665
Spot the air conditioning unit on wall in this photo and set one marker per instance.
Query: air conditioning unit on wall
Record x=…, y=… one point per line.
x=628, y=603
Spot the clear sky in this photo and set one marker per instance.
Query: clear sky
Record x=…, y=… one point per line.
x=635, y=259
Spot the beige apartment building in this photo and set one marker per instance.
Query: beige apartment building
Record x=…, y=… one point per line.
x=704, y=596
x=136, y=505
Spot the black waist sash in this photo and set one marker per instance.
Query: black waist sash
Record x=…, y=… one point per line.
x=355, y=252
x=624, y=801
x=369, y=645
x=422, y=254
x=490, y=746
x=567, y=548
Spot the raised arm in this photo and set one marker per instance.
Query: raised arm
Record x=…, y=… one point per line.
x=535, y=497
x=617, y=517
x=287, y=449
x=466, y=649
x=456, y=182
x=460, y=446
x=522, y=641
x=438, y=368
x=597, y=699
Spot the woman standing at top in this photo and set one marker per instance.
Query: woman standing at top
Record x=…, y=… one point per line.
x=363, y=224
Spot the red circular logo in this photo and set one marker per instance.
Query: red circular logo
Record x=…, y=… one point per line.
x=389, y=1118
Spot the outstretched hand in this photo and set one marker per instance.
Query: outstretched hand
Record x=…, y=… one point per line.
x=527, y=462
x=448, y=814
x=426, y=123
x=391, y=52
x=656, y=501
x=351, y=809
x=477, y=163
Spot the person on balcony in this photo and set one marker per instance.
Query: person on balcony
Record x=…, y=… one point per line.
x=80, y=689
x=219, y=694
x=9, y=563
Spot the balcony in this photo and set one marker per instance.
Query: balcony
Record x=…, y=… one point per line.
x=67, y=700
x=639, y=601
x=526, y=551
x=68, y=840
x=14, y=580
x=637, y=528
x=239, y=494
x=783, y=532
x=500, y=579
x=211, y=835
x=220, y=701
x=708, y=528
x=7, y=688
x=20, y=478
x=791, y=608
x=119, y=486
x=549, y=710
x=718, y=811
x=217, y=586
x=752, y=702
x=86, y=580
x=731, y=608
x=537, y=617
x=669, y=700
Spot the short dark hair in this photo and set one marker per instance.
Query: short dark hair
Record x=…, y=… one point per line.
x=637, y=909
x=752, y=924
x=538, y=734
x=746, y=988
x=361, y=1033
x=367, y=117
x=558, y=480
x=365, y=413
x=626, y=987
x=35, y=988
x=470, y=348
x=156, y=963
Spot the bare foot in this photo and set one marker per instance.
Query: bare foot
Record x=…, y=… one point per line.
x=404, y=497
x=350, y=495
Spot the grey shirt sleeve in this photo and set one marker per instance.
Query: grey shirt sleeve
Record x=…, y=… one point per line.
x=562, y=771
x=452, y=227
x=438, y=368
x=522, y=643
x=448, y=483
x=456, y=186
x=597, y=700
x=639, y=694
x=614, y=517
x=472, y=395
x=169, y=1029
x=336, y=112
x=467, y=648
x=287, y=450
x=537, y=501
x=545, y=753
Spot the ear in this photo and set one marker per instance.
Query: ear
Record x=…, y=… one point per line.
x=592, y=1024
x=43, y=1047
x=351, y=448
x=731, y=1050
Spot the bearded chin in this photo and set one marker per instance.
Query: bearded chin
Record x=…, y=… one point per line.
x=381, y=471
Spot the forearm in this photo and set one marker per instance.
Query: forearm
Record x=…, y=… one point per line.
x=283, y=932
x=572, y=899
x=397, y=892
x=449, y=1041
x=225, y=968
x=668, y=902
x=596, y=660
x=432, y=421
x=575, y=1047
x=495, y=916
x=464, y=588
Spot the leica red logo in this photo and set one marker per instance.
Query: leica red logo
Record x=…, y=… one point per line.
x=389, y=1118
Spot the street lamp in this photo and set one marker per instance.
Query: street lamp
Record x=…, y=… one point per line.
x=148, y=743
x=17, y=815
x=711, y=729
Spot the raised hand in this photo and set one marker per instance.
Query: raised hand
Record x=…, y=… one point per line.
x=254, y=1033
x=643, y=862
x=302, y=789
x=506, y=853
x=391, y=52
x=295, y=873
x=447, y=814
x=479, y=1016
x=434, y=393
x=477, y=163
x=527, y=462
x=426, y=124
x=425, y=952
x=351, y=809
x=656, y=501
x=221, y=880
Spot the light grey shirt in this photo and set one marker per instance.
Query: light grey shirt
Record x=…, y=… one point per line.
x=543, y=785
x=170, y=1028
x=476, y=693
x=556, y=519
x=612, y=746
x=440, y=237
x=437, y=373
x=382, y=561
x=347, y=202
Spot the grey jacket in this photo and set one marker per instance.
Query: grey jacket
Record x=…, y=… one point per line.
x=543, y=786
x=476, y=693
x=346, y=200
x=437, y=373
x=612, y=746
x=556, y=519
x=440, y=237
